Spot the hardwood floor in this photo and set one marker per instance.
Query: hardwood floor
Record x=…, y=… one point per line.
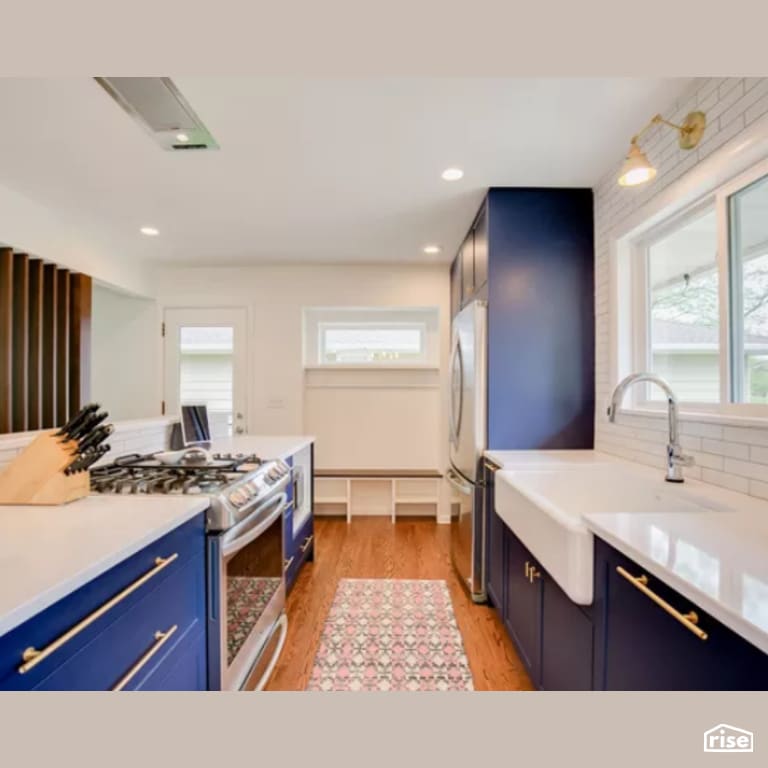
x=372, y=547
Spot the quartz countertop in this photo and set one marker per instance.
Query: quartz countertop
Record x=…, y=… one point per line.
x=47, y=552
x=547, y=459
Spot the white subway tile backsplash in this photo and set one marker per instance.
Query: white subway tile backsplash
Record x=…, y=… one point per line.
x=724, y=480
x=733, y=457
x=747, y=469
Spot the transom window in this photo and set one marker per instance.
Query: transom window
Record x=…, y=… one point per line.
x=700, y=296
x=371, y=337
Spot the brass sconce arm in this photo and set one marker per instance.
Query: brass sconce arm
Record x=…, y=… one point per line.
x=691, y=130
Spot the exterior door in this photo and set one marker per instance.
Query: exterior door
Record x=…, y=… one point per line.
x=206, y=362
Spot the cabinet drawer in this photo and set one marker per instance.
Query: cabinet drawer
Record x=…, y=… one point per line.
x=135, y=645
x=644, y=646
x=184, y=667
x=66, y=628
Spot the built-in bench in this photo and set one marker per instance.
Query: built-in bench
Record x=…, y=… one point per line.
x=377, y=492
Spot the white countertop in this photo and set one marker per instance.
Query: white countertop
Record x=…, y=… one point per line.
x=546, y=459
x=717, y=559
x=265, y=446
x=715, y=554
x=48, y=552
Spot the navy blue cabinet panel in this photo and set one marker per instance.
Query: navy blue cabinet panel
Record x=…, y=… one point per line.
x=566, y=642
x=299, y=540
x=522, y=614
x=182, y=550
x=640, y=646
x=495, y=549
x=184, y=669
x=541, y=318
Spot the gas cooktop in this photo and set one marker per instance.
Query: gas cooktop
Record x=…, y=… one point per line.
x=236, y=484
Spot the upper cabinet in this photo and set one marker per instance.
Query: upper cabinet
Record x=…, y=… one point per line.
x=530, y=254
x=469, y=272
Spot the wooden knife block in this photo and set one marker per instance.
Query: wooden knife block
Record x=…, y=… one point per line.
x=36, y=475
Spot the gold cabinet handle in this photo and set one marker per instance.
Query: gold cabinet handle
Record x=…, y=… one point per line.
x=161, y=638
x=287, y=564
x=688, y=620
x=307, y=542
x=32, y=657
x=533, y=574
x=527, y=570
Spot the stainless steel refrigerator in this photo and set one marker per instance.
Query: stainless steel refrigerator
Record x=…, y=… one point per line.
x=468, y=440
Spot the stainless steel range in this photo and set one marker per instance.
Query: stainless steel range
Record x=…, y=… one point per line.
x=245, y=584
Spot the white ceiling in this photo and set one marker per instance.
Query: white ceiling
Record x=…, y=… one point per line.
x=327, y=170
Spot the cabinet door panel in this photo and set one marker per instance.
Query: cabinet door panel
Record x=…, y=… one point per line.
x=496, y=538
x=523, y=605
x=481, y=249
x=566, y=642
x=456, y=286
x=468, y=269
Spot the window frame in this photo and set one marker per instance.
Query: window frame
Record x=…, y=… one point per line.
x=731, y=375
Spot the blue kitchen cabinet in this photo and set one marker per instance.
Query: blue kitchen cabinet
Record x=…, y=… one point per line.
x=141, y=623
x=567, y=641
x=642, y=645
x=495, y=545
x=298, y=521
x=553, y=635
x=522, y=605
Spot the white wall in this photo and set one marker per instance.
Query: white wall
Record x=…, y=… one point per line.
x=32, y=228
x=383, y=421
x=125, y=357
x=732, y=455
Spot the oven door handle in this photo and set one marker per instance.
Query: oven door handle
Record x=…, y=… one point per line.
x=246, y=531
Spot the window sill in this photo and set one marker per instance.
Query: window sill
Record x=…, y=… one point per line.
x=708, y=417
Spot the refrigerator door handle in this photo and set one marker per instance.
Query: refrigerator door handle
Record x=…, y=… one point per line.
x=455, y=419
x=458, y=483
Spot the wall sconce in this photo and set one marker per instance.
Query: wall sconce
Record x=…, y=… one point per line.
x=637, y=169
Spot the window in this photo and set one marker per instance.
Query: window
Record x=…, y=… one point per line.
x=370, y=337
x=749, y=292
x=699, y=287
x=683, y=310
x=371, y=343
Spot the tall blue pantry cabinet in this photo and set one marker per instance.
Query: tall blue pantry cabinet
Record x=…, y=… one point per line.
x=530, y=255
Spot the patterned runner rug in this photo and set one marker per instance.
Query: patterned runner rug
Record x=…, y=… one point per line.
x=391, y=635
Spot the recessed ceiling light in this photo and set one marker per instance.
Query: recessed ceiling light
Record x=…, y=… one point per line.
x=431, y=249
x=452, y=174
x=182, y=137
x=149, y=231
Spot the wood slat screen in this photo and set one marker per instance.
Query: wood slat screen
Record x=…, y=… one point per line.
x=45, y=341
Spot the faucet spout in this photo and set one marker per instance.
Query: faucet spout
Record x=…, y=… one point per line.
x=675, y=457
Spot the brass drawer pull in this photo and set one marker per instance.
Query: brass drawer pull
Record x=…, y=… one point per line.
x=32, y=657
x=307, y=542
x=287, y=564
x=161, y=638
x=527, y=570
x=533, y=573
x=688, y=620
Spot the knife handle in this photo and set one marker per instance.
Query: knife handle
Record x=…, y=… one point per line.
x=78, y=419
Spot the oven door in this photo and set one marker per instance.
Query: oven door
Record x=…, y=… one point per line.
x=246, y=593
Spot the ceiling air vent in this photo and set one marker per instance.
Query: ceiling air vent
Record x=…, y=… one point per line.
x=156, y=104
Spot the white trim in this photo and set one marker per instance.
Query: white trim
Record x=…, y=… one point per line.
x=688, y=413
x=737, y=163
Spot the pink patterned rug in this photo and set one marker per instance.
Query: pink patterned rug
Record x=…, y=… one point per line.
x=391, y=635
